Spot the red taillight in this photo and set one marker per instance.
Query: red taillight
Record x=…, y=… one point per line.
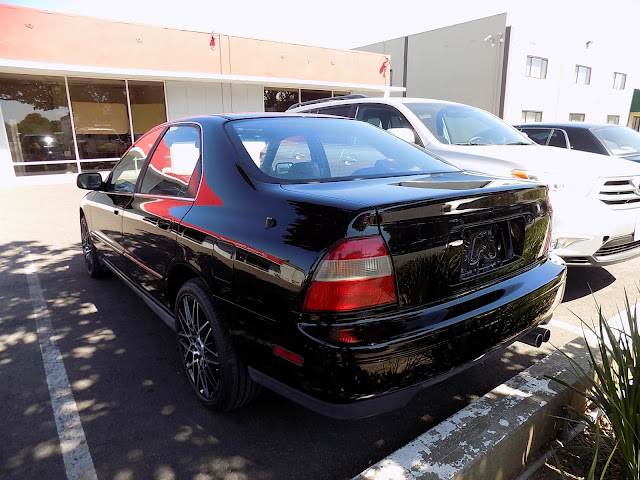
x=354, y=274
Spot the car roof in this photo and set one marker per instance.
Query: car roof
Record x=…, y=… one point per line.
x=217, y=117
x=580, y=125
x=385, y=100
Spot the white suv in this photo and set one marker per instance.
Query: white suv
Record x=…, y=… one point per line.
x=596, y=199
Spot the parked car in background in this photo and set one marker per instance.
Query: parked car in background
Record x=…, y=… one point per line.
x=100, y=143
x=40, y=148
x=596, y=203
x=320, y=257
x=615, y=140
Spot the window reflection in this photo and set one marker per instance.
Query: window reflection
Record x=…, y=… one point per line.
x=36, y=119
x=308, y=95
x=279, y=100
x=147, y=106
x=101, y=120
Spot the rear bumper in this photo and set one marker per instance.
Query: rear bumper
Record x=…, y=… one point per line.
x=424, y=346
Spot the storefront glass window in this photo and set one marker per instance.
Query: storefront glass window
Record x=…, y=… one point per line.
x=147, y=106
x=307, y=95
x=36, y=117
x=101, y=121
x=279, y=100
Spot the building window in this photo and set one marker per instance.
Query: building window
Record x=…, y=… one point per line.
x=278, y=100
x=613, y=119
x=41, y=128
x=536, y=67
x=307, y=95
x=576, y=117
x=583, y=75
x=100, y=120
x=619, y=80
x=531, y=116
x=147, y=106
x=38, y=124
x=636, y=124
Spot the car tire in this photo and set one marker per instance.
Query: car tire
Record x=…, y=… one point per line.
x=89, y=251
x=208, y=356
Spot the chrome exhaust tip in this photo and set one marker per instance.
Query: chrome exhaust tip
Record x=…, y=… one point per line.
x=532, y=338
x=545, y=332
x=536, y=337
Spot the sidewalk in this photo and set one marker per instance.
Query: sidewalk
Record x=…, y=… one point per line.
x=495, y=436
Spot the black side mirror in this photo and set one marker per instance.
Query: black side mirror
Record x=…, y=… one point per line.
x=89, y=181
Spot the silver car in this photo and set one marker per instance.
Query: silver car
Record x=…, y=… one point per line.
x=596, y=202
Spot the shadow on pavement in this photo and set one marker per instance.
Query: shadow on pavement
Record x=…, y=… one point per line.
x=583, y=281
x=140, y=417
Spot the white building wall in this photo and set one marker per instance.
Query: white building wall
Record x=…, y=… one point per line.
x=193, y=98
x=564, y=45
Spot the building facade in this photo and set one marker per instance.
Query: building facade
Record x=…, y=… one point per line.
x=522, y=67
x=75, y=92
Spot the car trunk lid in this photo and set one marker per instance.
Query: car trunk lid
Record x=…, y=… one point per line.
x=449, y=233
x=472, y=236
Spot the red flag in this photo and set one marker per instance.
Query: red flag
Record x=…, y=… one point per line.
x=383, y=67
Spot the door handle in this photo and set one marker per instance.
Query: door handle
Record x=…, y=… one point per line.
x=116, y=212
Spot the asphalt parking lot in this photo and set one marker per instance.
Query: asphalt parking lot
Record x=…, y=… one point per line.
x=137, y=413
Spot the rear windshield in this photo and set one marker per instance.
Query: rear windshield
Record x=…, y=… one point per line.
x=301, y=149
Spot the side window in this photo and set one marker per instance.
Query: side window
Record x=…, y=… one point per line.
x=173, y=163
x=293, y=159
x=384, y=117
x=126, y=172
x=558, y=139
x=538, y=135
x=338, y=111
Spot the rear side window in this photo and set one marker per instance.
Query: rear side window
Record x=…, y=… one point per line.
x=338, y=111
x=381, y=117
x=299, y=149
x=173, y=163
x=538, y=135
x=558, y=139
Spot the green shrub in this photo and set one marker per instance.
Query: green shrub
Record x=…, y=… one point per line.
x=615, y=387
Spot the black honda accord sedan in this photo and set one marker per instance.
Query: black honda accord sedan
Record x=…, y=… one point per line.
x=320, y=257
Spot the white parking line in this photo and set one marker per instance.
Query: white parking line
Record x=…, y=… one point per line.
x=73, y=443
x=618, y=322
x=578, y=330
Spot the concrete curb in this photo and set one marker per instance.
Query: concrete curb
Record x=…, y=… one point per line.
x=493, y=437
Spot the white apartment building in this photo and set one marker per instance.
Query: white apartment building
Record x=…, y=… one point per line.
x=522, y=66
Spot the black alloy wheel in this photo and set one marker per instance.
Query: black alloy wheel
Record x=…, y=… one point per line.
x=220, y=379
x=89, y=251
x=199, y=351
